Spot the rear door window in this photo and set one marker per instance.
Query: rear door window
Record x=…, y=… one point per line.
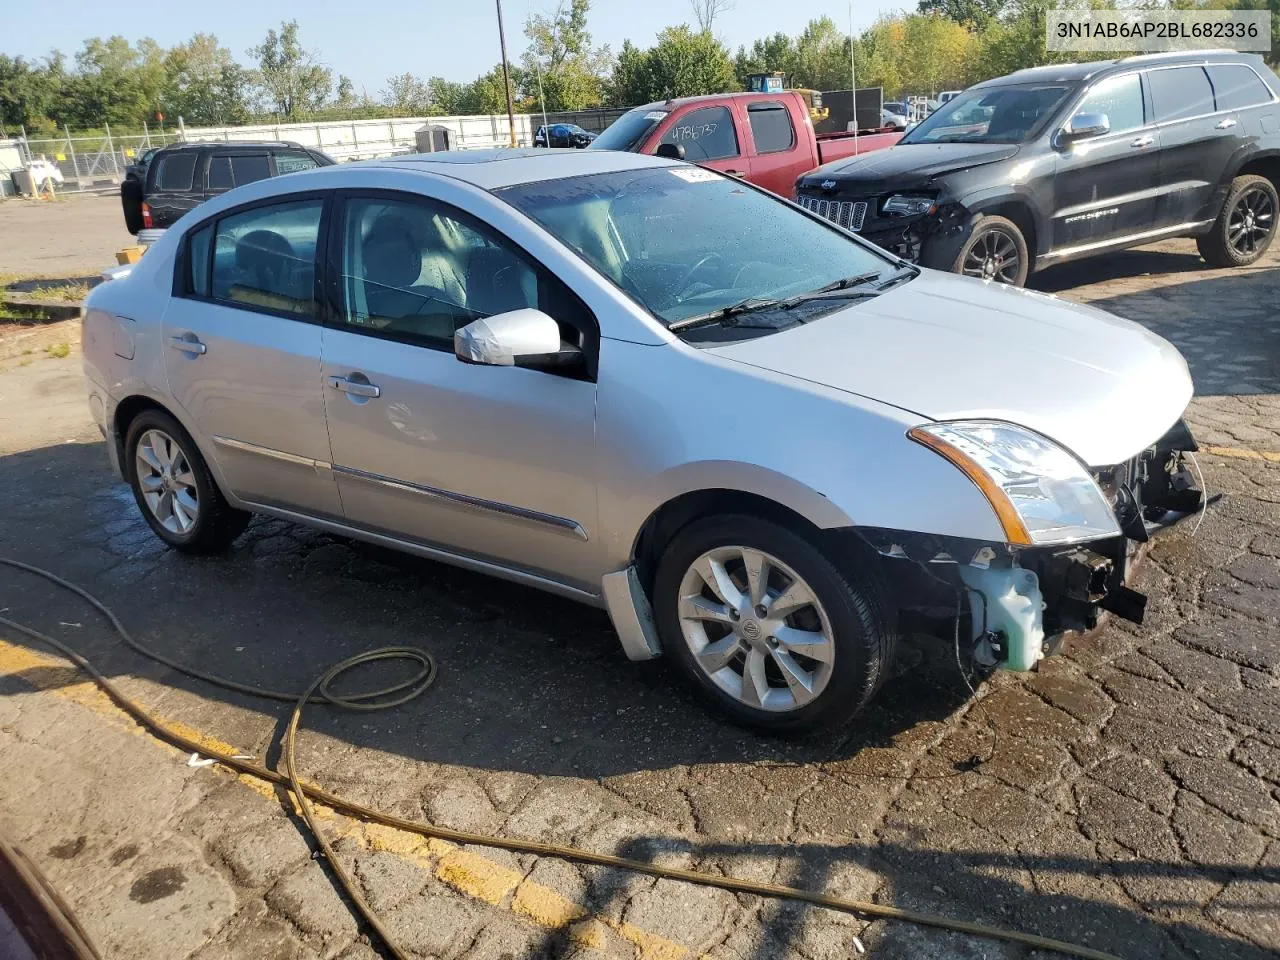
x=705, y=134
x=1235, y=87
x=1180, y=93
x=771, y=127
x=264, y=258
x=250, y=167
x=176, y=171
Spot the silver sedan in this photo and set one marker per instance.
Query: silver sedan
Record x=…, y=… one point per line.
x=752, y=437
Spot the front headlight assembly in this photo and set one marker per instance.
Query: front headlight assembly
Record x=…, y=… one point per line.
x=1041, y=494
x=909, y=205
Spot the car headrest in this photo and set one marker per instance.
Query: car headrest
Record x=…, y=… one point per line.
x=392, y=253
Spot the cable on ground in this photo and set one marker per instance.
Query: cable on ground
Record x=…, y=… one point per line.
x=320, y=691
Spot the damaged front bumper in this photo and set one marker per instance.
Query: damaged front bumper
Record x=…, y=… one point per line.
x=1022, y=601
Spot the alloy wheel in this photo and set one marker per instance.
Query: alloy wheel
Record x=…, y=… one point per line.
x=1251, y=220
x=167, y=482
x=756, y=629
x=992, y=256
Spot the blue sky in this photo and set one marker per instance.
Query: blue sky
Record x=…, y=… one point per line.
x=371, y=40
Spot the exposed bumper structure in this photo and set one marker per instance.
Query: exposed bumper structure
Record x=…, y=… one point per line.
x=1022, y=601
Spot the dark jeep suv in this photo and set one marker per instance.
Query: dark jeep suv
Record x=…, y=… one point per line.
x=179, y=178
x=1055, y=163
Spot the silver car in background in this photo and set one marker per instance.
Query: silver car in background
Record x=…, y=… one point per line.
x=749, y=435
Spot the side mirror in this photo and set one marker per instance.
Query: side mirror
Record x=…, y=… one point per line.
x=670, y=151
x=1084, y=125
x=518, y=338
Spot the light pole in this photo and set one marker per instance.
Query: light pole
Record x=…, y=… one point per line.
x=506, y=77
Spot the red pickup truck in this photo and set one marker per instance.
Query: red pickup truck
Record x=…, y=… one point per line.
x=766, y=138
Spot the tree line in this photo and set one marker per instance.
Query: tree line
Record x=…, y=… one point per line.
x=943, y=44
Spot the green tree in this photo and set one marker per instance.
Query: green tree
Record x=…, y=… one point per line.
x=681, y=64
x=822, y=57
x=572, y=71
x=406, y=94
x=29, y=90
x=447, y=96
x=766, y=55
x=345, y=93
x=292, y=80
x=113, y=82
x=204, y=84
x=971, y=13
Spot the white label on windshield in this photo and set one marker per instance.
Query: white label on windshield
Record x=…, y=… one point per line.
x=654, y=115
x=696, y=175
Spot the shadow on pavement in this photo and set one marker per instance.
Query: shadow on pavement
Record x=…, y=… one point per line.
x=1227, y=327
x=528, y=682
x=1116, y=266
x=990, y=888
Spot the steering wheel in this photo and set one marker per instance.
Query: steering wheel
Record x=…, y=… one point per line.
x=689, y=274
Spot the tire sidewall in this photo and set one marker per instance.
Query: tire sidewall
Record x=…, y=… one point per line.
x=856, y=669
x=158, y=420
x=1223, y=223
x=988, y=224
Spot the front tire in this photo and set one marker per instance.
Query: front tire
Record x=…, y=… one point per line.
x=1245, y=227
x=996, y=250
x=175, y=490
x=767, y=627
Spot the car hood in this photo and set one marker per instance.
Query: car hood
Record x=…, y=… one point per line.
x=914, y=163
x=950, y=348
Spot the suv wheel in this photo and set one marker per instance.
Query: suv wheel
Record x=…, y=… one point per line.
x=762, y=623
x=174, y=488
x=1245, y=227
x=995, y=250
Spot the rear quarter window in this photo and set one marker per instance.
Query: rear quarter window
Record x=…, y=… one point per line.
x=1236, y=86
x=176, y=172
x=293, y=162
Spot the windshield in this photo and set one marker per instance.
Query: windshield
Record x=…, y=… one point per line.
x=685, y=242
x=1004, y=114
x=628, y=130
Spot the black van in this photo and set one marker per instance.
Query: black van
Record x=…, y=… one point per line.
x=185, y=175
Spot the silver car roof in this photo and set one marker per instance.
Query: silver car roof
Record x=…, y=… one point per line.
x=505, y=167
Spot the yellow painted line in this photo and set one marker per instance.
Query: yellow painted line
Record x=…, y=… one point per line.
x=464, y=870
x=1240, y=453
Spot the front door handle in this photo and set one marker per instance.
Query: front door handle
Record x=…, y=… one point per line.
x=356, y=388
x=186, y=345
x=1143, y=142
x=1226, y=124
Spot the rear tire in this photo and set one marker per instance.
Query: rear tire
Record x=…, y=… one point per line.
x=174, y=489
x=814, y=664
x=1245, y=227
x=996, y=250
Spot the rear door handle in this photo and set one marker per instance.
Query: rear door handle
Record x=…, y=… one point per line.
x=740, y=174
x=1143, y=142
x=355, y=387
x=191, y=345
x=1226, y=124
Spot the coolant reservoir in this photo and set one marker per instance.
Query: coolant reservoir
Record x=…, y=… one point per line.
x=1015, y=608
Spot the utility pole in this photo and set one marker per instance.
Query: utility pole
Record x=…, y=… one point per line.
x=853, y=81
x=506, y=77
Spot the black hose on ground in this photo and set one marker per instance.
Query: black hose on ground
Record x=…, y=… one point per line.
x=320, y=691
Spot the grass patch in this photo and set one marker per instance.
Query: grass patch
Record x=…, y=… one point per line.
x=58, y=350
x=27, y=352
x=63, y=293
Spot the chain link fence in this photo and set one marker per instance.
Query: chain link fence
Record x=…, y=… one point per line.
x=100, y=161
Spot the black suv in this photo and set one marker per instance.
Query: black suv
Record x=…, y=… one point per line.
x=183, y=176
x=1055, y=163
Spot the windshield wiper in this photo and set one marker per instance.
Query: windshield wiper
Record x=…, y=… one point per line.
x=848, y=288
x=846, y=282
x=725, y=315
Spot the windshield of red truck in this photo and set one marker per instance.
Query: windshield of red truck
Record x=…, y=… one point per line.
x=629, y=130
